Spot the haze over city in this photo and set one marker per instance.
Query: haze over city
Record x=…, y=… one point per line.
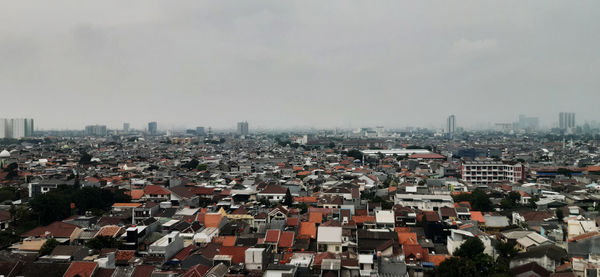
x=298, y=64
x=306, y=63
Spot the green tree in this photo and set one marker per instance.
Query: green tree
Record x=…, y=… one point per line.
x=470, y=248
x=191, y=164
x=479, y=200
x=357, y=155
x=50, y=207
x=456, y=267
x=559, y=214
x=100, y=242
x=48, y=246
x=288, y=200
x=202, y=167
x=7, y=238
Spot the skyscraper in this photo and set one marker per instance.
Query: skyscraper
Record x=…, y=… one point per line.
x=152, y=128
x=126, y=127
x=16, y=127
x=242, y=128
x=95, y=130
x=566, y=121
x=451, y=125
x=200, y=131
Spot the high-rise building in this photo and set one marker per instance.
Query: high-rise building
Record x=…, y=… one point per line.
x=242, y=128
x=16, y=127
x=528, y=123
x=152, y=128
x=451, y=125
x=566, y=121
x=96, y=130
x=200, y=131
x=126, y=127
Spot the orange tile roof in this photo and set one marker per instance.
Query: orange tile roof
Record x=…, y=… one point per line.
x=308, y=229
x=212, y=220
x=407, y=238
x=402, y=229
x=437, y=259
x=229, y=241
x=129, y=205
x=475, y=215
x=303, y=173
x=592, y=168
x=315, y=217
x=110, y=231
x=136, y=193
x=306, y=199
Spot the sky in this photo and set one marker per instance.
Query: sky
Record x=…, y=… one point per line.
x=288, y=64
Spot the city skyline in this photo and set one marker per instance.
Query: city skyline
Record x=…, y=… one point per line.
x=303, y=63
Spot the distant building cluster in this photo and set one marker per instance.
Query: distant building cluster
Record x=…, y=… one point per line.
x=16, y=127
x=242, y=128
x=96, y=130
x=326, y=203
x=566, y=121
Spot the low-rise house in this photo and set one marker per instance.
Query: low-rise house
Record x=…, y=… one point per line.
x=272, y=193
x=427, y=202
x=547, y=256
x=167, y=246
x=384, y=219
x=58, y=230
x=329, y=239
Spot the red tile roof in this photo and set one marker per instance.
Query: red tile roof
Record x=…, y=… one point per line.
x=286, y=240
x=197, y=271
x=273, y=189
x=238, y=253
x=416, y=251
x=203, y=191
x=56, y=229
x=81, y=269
x=143, y=271
x=124, y=255
x=110, y=231
x=184, y=253
x=292, y=221
x=156, y=190
x=272, y=236
x=426, y=156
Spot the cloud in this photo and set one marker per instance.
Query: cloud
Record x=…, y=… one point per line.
x=465, y=46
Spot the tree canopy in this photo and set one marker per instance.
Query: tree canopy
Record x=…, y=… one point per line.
x=479, y=200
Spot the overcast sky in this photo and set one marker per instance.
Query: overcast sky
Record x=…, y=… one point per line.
x=297, y=63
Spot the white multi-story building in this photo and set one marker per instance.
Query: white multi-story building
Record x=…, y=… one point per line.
x=16, y=127
x=492, y=172
x=425, y=202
